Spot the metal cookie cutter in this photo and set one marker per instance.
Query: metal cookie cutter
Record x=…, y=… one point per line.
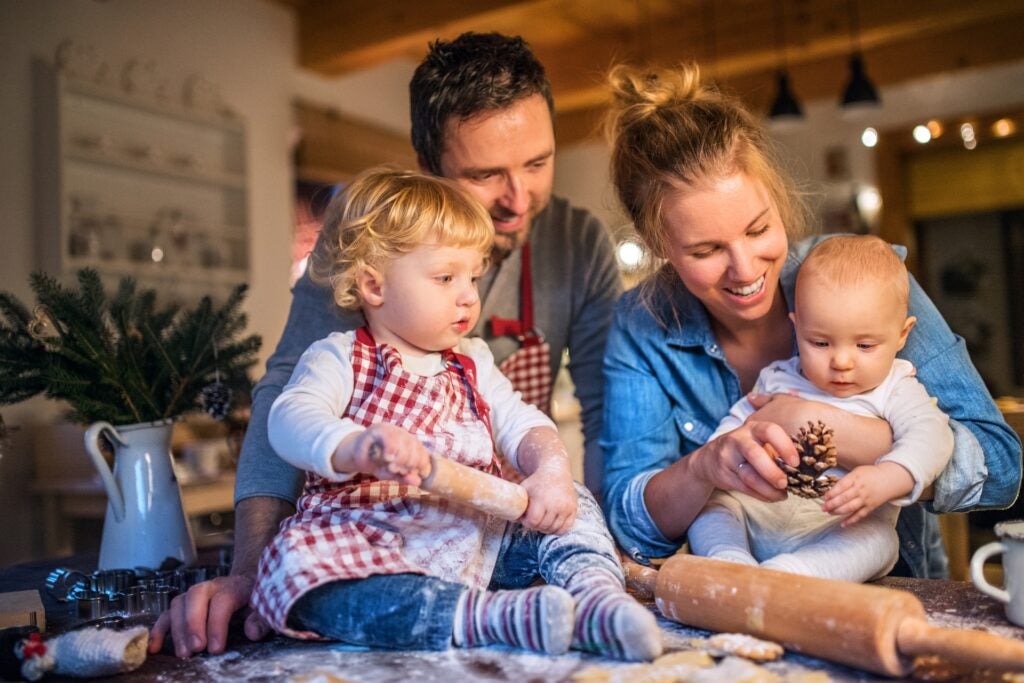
x=112, y=581
x=62, y=583
x=91, y=604
x=113, y=594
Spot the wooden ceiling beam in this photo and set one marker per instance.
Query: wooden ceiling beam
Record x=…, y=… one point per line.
x=986, y=44
x=578, y=87
x=337, y=37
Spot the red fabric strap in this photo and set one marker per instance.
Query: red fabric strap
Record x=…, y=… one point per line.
x=524, y=327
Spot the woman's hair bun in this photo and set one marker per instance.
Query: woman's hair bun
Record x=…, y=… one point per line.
x=634, y=87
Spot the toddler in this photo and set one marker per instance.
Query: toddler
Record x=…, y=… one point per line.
x=370, y=559
x=850, y=317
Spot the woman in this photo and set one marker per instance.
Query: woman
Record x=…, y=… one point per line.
x=696, y=173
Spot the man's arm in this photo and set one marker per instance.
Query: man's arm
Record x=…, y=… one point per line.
x=600, y=284
x=198, y=620
x=266, y=488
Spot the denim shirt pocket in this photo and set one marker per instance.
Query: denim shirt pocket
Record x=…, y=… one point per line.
x=694, y=432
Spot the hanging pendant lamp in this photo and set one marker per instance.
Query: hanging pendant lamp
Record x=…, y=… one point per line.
x=785, y=106
x=860, y=91
x=785, y=109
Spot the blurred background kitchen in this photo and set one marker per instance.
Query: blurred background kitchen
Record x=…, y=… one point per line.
x=191, y=145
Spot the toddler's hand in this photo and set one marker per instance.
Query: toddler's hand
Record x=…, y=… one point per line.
x=389, y=452
x=864, y=489
x=552, y=506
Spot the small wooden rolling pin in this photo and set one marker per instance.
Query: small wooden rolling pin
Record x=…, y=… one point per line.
x=868, y=627
x=477, y=489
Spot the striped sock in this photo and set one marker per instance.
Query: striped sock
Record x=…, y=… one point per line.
x=610, y=622
x=538, y=619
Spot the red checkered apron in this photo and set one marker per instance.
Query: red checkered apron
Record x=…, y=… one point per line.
x=529, y=368
x=366, y=526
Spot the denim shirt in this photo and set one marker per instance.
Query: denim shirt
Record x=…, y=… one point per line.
x=668, y=384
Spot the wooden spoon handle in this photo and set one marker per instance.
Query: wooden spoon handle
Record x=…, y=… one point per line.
x=973, y=648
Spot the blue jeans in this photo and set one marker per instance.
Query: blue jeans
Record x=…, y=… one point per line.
x=416, y=612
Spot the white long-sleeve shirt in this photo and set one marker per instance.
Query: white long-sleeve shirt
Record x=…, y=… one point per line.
x=305, y=426
x=922, y=438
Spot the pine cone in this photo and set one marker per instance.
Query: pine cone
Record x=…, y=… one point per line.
x=817, y=454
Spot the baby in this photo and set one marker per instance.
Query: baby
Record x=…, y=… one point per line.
x=369, y=558
x=850, y=316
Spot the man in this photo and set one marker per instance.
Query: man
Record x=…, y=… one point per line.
x=482, y=115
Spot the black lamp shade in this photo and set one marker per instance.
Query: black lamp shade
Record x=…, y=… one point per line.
x=860, y=90
x=785, y=104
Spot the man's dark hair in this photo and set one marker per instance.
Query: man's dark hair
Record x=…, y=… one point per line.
x=475, y=73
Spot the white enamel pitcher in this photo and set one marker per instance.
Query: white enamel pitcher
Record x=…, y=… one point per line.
x=145, y=523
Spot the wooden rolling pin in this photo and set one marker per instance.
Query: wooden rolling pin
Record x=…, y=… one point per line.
x=868, y=627
x=477, y=489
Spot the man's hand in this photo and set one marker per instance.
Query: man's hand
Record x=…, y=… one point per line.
x=198, y=619
x=864, y=489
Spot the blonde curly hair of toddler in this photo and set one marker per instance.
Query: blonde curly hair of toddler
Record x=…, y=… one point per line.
x=386, y=212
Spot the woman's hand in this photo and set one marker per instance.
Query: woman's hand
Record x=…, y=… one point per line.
x=743, y=460
x=386, y=452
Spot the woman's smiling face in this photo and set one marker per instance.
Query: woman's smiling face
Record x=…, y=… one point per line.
x=727, y=243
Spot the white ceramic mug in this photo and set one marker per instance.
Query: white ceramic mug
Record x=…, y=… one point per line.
x=1011, y=545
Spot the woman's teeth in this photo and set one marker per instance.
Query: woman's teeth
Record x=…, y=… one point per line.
x=749, y=289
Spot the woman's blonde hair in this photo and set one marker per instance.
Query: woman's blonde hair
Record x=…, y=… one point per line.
x=386, y=212
x=667, y=129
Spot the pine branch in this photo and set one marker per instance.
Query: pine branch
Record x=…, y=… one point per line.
x=122, y=359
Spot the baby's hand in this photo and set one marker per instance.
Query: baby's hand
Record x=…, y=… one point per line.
x=865, y=489
x=388, y=452
x=552, y=506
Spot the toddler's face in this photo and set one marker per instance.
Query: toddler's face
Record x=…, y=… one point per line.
x=848, y=337
x=429, y=298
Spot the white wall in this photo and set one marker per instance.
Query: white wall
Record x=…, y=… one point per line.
x=246, y=47
x=379, y=95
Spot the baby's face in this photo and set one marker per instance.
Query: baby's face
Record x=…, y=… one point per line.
x=848, y=337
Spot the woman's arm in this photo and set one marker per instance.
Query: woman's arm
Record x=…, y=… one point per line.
x=862, y=440
x=657, y=415
x=985, y=471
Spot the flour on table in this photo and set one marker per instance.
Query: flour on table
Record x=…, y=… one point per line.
x=694, y=667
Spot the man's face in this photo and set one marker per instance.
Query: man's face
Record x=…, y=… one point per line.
x=505, y=158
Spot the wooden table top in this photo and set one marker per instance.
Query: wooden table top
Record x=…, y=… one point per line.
x=951, y=604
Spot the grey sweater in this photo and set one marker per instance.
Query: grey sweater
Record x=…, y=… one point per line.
x=575, y=286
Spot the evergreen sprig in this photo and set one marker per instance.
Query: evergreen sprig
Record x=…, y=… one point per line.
x=122, y=359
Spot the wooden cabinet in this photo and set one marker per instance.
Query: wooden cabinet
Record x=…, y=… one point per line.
x=136, y=185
